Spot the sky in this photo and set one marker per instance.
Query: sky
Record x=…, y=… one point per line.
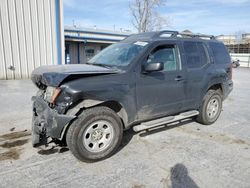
x=200, y=16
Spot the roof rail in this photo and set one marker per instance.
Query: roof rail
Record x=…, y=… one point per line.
x=171, y=33
x=174, y=34
x=194, y=35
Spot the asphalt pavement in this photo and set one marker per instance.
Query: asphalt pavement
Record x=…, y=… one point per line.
x=185, y=154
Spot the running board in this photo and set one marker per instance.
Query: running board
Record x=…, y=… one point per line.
x=164, y=120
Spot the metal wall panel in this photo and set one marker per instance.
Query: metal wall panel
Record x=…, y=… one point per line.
x=30, y=35
x=73, y=51
x=6, y=38
x=21, y=39
x=14, y=39
x=48, y=32
x=82, y=54
x=35, y=33
x=53, y=28
x=2, y=55
x=41, y=31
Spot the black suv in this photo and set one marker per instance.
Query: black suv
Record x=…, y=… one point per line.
x=144, y=81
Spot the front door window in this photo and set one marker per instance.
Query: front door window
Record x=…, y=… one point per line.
x=165, y=55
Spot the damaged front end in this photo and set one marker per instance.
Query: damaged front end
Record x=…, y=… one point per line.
x=53, y=100
x=46, y=122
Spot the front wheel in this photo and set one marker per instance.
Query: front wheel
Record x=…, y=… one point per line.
x=211, y=107
x=95, y=135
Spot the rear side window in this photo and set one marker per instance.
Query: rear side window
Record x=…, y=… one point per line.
x=220, y=53
x=196, y=54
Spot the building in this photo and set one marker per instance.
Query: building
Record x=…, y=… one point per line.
x=83, y=43
x=227, y=39
x=31, y=35
x=238, y=49
x=242, y=45
x=246, y=38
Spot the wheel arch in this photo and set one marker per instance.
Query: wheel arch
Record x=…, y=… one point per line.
x=118, y=108
x=89, y=103
x=216, y=86
x=212, y=85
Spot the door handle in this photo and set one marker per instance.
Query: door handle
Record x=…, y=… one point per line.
x=178, y=78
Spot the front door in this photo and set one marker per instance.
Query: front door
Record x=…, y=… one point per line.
x=161, y=93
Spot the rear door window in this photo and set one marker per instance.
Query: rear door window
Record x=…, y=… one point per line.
x=220, y=53
x=196, y=54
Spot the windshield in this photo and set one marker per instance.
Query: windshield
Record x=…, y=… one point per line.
x=119, y=54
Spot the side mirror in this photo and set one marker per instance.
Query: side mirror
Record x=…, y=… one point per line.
x=152, y=67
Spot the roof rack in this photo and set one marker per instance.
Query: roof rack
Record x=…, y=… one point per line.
x=167, y=32
x=194, y=35
x=174, y=34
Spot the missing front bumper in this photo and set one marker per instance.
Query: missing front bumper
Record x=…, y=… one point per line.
x=46, y=122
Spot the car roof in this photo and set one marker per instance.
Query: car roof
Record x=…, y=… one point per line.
x=169, y=35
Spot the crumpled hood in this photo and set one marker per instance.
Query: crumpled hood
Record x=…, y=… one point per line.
x=54, y=75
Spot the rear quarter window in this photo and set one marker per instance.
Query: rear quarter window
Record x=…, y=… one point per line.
x=220, y=53
x=196, y=54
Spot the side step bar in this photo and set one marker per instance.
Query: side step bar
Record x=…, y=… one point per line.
x=164, y=120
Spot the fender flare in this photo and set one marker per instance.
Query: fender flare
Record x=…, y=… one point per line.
x=88, y=103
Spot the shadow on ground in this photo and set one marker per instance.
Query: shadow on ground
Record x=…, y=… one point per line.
x=179, y=178
x=52, y=150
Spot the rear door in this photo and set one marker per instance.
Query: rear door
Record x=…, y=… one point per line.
x=160, y=93
x=197, y=64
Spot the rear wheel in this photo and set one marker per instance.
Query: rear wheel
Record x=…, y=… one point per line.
x=211, y=107
x=95, y=135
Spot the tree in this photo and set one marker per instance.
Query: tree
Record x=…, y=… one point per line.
x=145, y=16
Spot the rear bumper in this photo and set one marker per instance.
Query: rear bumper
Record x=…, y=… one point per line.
x=46, y=122
x=227, y=88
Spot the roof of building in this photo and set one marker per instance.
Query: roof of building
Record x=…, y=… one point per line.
x=97, y=30
x=94, y=35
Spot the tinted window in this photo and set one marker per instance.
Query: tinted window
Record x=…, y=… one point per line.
x=166, y=55
x=119, y=54
x=220, y=53
x=195, y=54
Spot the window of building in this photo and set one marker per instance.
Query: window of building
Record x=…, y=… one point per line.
x=195, y=54
x=166, y=55
x=89, y=53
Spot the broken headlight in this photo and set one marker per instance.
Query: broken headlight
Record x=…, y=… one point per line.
x=51, y=94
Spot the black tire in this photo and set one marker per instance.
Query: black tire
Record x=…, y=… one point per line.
x=78, y=129
x=203, y=116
